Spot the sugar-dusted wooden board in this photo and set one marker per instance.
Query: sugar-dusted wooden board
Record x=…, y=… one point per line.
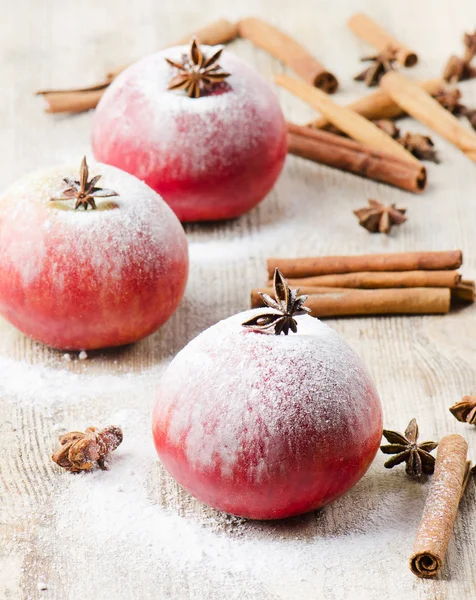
x=67, y=537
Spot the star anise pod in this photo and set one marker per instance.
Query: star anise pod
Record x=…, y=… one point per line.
x=79, y=451
x=379, y=218
x=84, y=191
x=450, y=99
x=419, y=145
x=196, y=72
x=469, y=41
x=406, y=449
x=465, y=410
x=284, y=307
x=389, y=127
x=382, y=63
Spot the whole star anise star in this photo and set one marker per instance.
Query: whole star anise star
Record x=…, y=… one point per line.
x=450, y=99
x=406, y=449
x=84, y=191
x=196, y=72
x=80, y=451
x=284, y=307
x=378, y=218
x=419, y=145
x=382, y=63
x=465, y=410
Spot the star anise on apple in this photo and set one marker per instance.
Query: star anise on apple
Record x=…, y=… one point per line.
x=279, y=316
x=379, y=218
x=84, y=191
x=406, y=449
x=381, y=64
x=196, y=72
x=80, y=451
x=465, y=410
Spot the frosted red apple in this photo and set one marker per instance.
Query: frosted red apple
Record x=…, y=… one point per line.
x=212, y=157
x=84, y=279
x=267, y=426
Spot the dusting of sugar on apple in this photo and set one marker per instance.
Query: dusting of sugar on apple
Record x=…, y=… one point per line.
x=212, y=157
x=85, y=279
x=266, y=426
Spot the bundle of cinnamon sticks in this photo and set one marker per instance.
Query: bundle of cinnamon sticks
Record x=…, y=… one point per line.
x=375, y=284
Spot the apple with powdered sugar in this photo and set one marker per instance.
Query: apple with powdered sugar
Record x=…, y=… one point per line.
x=267, y=426
x=84, y=279
x=209, y=136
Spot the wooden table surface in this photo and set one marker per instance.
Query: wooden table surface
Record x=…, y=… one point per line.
x=67, y=537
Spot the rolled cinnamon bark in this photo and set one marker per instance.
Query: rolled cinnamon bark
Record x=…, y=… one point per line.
x=400, y=261
x=345, y=154
x=79, y=100
x=287, y=50
x=463, y=291
x=375, y=35
x=420, y=105
x=356, y=126
x=382, y=279
x=441, y=507
x=350, y=302
x=379, y=105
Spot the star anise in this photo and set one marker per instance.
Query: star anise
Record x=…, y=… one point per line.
x=465, y=410
x=84, y=191
x=79, y=451
x=382, y=63
x=449, y=98
x=196, y=72
x=284, y=307
x=378, y=218
x=389, y=127
x=419, y=145
x=406, y=449
x=469, y=41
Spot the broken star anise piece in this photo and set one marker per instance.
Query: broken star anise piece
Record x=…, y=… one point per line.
x=419, y=145
x=465, y=410
x=80, y=451
x=84, y=191
x=389, y=127
x=382, y=63
x=406, y=448
x=284, y=307
x=469, y=41
x=196, y=72
x=378, y=218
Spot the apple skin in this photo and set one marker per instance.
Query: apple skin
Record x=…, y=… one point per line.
x=263, y=426
x=210, y=158
x=81, y=280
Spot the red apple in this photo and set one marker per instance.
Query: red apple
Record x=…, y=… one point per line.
x=267, y=426
x=212, y=157
x=84, y=279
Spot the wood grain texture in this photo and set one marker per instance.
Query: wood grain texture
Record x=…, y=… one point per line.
x=421, y=365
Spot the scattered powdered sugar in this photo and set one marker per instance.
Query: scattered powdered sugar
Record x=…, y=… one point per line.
x=240, y=119
x=243, y=388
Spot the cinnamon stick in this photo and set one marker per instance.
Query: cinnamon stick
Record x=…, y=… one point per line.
x=345, y=154
x=351, y=302
x=381, y=279
x=82, y=99
x=356, y=126
x=379, y=105
x=375, y=35
x=420, y=105
x=287, y=50
x=464, y=291
x=441, y=507
x=331, y=265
